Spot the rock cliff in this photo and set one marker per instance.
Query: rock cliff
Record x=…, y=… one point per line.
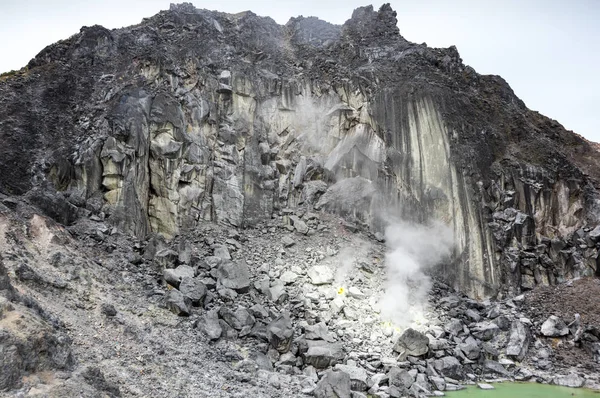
x=194, y=116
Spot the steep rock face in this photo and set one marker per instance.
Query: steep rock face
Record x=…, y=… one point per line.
x=196, y=116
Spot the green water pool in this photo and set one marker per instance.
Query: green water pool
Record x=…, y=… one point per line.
x=524, y=390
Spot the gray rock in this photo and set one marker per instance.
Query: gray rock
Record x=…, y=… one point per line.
x=277, y=292
x=334, y=384
x=323, y=356
x=470, y=348
x=518, y=343
x=193, y=289
x=288, y=241
x=262, y=361
x=473, y=315
x=453, y=327
x=237, y=319
x=595, y=234
x=209, y=324
x=299, y=225
x=554, y=327
x=280, y=333
x=288, y=277
x=173, y=276
x=355, y=292
x=412, y=343
x=166, y=258
x=485, y=330
x=358, y=376
x=485, y=386
x=318, y=331
x=320, y=275
x=438, y=382
x=449, y=366
x=222, y=252
x=177, y=303
x=571, y=380
x=400, y=378
x=234, y=275
x=495, y=367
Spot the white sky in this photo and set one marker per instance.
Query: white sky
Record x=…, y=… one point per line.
x=548, y=50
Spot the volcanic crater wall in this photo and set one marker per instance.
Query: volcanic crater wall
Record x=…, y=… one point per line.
x=196, y=116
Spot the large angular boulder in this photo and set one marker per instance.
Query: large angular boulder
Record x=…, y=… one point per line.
x=177, y=303
x=358, y=376
x=554, y=327
x=412, y=343
x=449, y=366
x=209, y=324
x=334, y=384
x=280, y=333
x=323, y=355
x=234, y=275
x=518, y=343
x=193, y=289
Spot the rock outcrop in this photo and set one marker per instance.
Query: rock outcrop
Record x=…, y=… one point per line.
x=194, y=116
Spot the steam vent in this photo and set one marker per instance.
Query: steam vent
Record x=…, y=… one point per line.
x=214, y=205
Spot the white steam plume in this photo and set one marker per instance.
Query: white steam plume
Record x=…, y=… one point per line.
x=411, y=249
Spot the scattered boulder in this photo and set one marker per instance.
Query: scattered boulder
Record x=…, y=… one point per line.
x=323, y=355
x=280, y=333
x=193, y=289
x=412, y=343
x=173, y=276
x=320, y=275
x=571, y=380
x=400, y=378
x=495, y=367
x=334, y=384
x=518, y=343
x=358, y=376
x=288, y=241
x=209, y=324
x=234, y=275
x=554, y=327
x=166, y=258
x=177, y=303
x=449, y=366
x=318, y=331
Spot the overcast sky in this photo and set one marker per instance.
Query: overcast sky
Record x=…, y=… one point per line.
x=548, y=50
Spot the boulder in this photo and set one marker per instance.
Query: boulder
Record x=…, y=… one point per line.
x=334, y=384
x=518, y=342
x=173, y=276
x=318, y=331
x=358, y=376
x=209, y=324
x=495, y=367
x=571, y=380
x=193, y=290
x=470, y=348
x=177, y=303
x=323, y=356
x=449, y=366
x=234, y=275
x=400, y=378
x=554, y=327
x=320, y=275
x=412, y=343
x=280, y=333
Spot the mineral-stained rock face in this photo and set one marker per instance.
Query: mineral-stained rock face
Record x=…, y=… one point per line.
x=195, y=116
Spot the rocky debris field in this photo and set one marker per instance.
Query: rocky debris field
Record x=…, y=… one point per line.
x=289, y=308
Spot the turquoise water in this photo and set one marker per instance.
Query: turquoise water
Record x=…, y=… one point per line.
x=524, y=390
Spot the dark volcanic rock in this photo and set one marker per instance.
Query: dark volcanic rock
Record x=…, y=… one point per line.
x=412, y=343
